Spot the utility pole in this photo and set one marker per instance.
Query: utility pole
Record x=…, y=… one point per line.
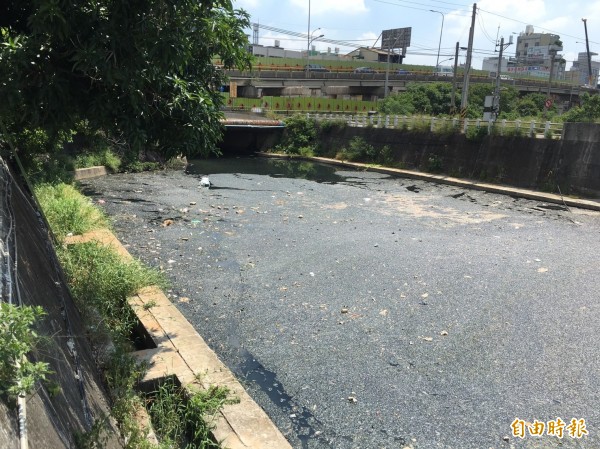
x=465, y=91
x=452, y=100
x=552, y=56
x=307, y=73
x=589, y=57
x=496, y=105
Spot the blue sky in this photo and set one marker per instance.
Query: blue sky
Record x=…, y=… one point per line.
x=361, y=21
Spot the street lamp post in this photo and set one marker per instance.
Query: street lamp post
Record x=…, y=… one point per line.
x=437, y=61
x=308, y=33
x=310, y=40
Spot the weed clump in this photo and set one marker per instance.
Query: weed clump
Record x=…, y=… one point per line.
x=105, y=157
x=299, y=136
x=101, y=279
x=184, y=417
x=67, y=211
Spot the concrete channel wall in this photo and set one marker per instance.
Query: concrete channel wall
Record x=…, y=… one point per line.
x=74, y=397
x=570, y=165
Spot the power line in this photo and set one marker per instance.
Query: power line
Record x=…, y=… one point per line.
x=427, y=9
x=305, y=36
x=485, y=33
x=536, y=26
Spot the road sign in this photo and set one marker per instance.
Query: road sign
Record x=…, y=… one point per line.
x=396, y=38
x=548, y=103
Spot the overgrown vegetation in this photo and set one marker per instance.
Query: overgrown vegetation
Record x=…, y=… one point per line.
x=183, y=417
x=434, y=164
x=18, y=374
x=67, y=211
x=588, y=111
x=435, y=99
x=101, y=280
x=106, y=158
x=299, y=136
x=358, y=150
x=476, y=132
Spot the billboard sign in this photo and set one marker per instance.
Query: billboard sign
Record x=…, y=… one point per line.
x=540, y=52
x=396, y=38
x=537, y=71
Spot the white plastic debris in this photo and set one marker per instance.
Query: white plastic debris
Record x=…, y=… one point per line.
x=205, y=182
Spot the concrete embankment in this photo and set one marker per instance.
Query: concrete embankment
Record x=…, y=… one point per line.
x=458, y=182
x=570, y=165
x=73, y=397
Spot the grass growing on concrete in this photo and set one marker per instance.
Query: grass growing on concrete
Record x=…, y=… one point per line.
x=180, y=415
x=101, y=280
x=105, y=157
x=68, y=211
x=104, y=280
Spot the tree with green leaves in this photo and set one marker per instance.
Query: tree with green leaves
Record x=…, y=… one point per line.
x=423, y=98
x=141, y=71
x=588, y=111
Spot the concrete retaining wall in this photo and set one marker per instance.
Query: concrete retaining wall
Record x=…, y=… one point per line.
x=77, y=396
x=572, y=164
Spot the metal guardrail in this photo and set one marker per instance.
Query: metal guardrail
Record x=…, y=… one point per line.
x=532, y=129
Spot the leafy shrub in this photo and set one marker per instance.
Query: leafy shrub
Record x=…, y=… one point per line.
x=386, y=155
x=331, y=125
x=397, y=104
x=476, y=132
x=358, y=150
x=306, y=151
x=434, y=164
x=299, y=132
x=18, y=375
x=589, y=111
x=52, y=169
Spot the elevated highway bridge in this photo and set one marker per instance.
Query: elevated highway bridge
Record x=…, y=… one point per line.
x=290, y=82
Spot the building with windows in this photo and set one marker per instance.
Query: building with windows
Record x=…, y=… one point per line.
x=536, y=53
x=491, y=65
x=579, y=71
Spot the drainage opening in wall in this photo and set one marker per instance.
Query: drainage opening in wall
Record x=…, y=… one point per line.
x=140, y=337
